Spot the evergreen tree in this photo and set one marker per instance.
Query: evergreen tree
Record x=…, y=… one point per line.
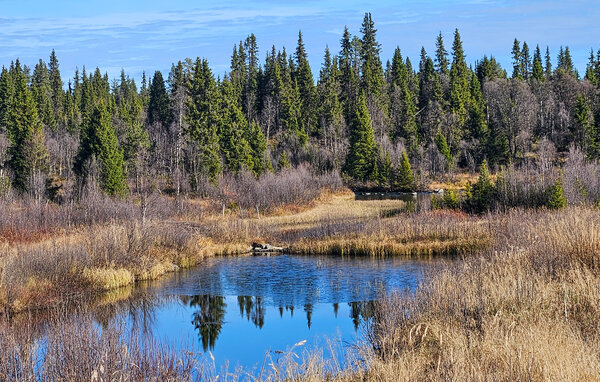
x=525, y=61
x=306, y=87
x=159, y=104
x=548, y=65
x=405, y=178
x=361, y=160
x=202, y=118
x=442, y=146
x=56, y=86
x=232, y=131
x=27, y=153
x=99, y=141
x=481, y=193
x=460, y=89
x=258, y=145
x=591, y=69
x=372, y=70
x=537, y=70
x=556, y=196
x=441, y=55
x=584, y=132
x=517, y=60
x=348, y=79
x=42, y=93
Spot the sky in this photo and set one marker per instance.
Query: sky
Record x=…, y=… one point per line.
x=149, y=35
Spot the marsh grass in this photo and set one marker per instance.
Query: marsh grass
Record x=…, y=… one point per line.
x=526, y=307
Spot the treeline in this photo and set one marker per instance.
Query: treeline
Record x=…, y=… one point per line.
x=389, y=125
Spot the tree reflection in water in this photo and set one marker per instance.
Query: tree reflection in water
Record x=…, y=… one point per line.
x=208, y=319
x=253, y=308
x=209, y=316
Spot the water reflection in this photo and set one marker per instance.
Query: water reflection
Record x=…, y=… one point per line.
x=209, y=313
x=241, y=308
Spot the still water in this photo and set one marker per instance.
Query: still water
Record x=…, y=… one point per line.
x=237, y=310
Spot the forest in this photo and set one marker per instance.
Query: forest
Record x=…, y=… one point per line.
x=392, y=125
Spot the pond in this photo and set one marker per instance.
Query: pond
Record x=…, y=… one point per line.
x=237, y=310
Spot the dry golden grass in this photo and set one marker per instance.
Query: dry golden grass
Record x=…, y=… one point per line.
x=527, y=310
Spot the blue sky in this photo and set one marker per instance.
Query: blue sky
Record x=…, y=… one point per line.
x=149, y=35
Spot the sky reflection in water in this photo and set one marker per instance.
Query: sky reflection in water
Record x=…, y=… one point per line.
x=240, y=308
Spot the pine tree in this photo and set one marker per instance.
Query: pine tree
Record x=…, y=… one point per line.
x=258, y=144
x=361, y=160
x=442, y=146
x=232, y=130
x=460, y=89
x=584, y=132
x=590, y=72
x=556, y=196
x=56, y=86
x=42, y=93
x=27, y=153
x=159, y=104
x=405, y=178
x=306, y=87
x=202, y=118
x=537, y=70
x=517, y=61
x=348, y=93
x=441, y=55
x=482, y=191
x=99, y=141
x=548, y=65
x=372, y=70
x=525, y=61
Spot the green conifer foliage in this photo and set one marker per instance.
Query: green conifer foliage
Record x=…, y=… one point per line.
x=538, y=70
x=442, y=146
x=362, y=155
x=441, y=55
x=99, y=140
x=405, y=177
x=57, y=92
x=372, y=70
x=306, y=87
x=258, y=144
x=159, y=104
x=460, y=90
x=232, y=131
x=42, y=93
x=202, y=118
x=482, y=190
x=27, y=152
x=556, y=196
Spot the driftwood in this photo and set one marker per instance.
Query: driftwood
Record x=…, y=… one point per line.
x=258, y=248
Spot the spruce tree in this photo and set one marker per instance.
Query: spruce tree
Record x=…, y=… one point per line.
x=42, y=93
x=372, y=70
x=306, y=87
x=27, y=153
x=362, y=154
x=441, y=55
x=56, y=86
x=99, y=140
x=202, y=118
x=517, y=61
x=460, y=89
x=525, y=61
x=548, y=65
x=537, y=70
x=159, y=104
x=405, y=177
x=232, y=130
x=258, y=144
